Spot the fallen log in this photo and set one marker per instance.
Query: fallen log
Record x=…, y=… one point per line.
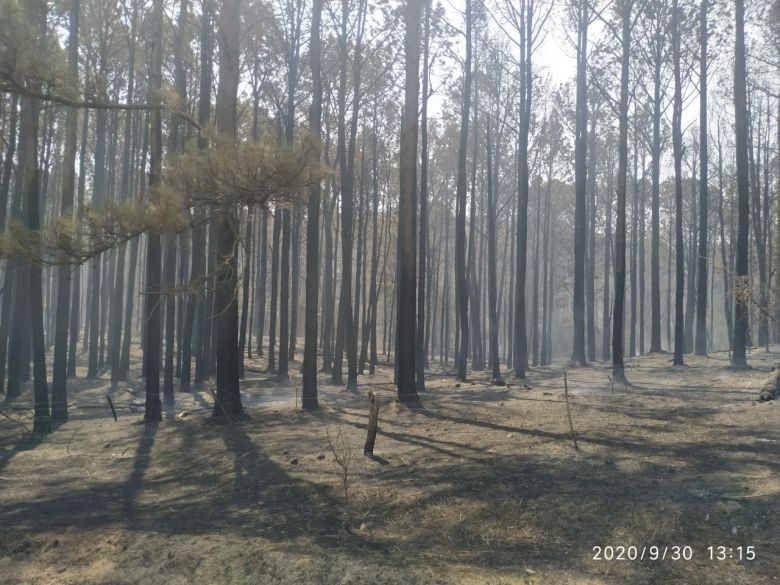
x=771, y=389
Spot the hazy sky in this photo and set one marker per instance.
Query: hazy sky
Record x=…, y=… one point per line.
x=555, y=56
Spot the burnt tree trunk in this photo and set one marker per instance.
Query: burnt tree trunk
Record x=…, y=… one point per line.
x=228, y=396
x=679, y=321
x=461, y=281
x=407, y=238
x=743, y=190
x=309, y=392
x=618, y=313
x=153, y=411
x=580, y=186
x=701, y=300
x=59, y=399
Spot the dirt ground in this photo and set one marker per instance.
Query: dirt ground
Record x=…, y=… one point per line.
x=483, y=485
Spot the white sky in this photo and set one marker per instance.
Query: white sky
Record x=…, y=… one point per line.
x=555, y=56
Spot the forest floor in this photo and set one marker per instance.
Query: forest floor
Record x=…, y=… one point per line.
x=482, y=485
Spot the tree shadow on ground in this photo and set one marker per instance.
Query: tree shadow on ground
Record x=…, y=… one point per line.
x=447, y=498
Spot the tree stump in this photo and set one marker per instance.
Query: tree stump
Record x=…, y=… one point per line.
x=373, y=420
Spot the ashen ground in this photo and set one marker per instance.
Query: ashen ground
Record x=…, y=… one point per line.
x=481, y=486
